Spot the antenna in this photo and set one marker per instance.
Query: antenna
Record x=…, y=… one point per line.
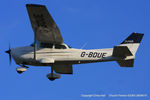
x=84, y=45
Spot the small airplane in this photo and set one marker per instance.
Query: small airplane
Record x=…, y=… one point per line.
x=50, y=50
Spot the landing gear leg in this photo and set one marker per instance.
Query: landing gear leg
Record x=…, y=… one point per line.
x=52, y=76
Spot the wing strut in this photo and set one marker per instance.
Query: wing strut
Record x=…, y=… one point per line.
x=35, y=45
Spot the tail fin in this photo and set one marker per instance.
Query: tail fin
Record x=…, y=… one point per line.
x=132, y=44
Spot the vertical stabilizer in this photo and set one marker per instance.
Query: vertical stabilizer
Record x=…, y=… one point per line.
x=132, y=43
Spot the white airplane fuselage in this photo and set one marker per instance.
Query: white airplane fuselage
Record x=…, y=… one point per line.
x=25, y=55
x=49, y=48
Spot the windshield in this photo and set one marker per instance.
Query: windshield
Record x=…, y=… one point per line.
x=33, y=44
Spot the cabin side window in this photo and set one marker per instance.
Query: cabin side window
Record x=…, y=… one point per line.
x=50, y=45
x=46, y=45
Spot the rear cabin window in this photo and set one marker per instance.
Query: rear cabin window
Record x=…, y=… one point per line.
x=57, y=46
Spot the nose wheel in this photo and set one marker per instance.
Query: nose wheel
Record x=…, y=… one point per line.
x=21, y=69
x=52, y=76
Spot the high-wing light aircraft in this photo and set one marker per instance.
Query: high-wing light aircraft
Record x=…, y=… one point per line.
x=49, y=48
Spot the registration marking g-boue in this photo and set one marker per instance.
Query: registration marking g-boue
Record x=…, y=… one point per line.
x=93, y=54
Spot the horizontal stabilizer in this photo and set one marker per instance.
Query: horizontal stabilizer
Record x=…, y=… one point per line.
x=121, y=51
x=126, y=63
x=63, y=69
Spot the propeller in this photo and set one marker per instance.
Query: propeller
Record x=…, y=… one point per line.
x=9, y=52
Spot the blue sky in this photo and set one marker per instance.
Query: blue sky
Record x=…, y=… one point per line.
x=100, y=24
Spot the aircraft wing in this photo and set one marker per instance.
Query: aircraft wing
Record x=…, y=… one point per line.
x=43, y=24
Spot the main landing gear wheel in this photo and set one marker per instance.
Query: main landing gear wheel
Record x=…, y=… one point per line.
x=52, y=76
x=21, y=69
